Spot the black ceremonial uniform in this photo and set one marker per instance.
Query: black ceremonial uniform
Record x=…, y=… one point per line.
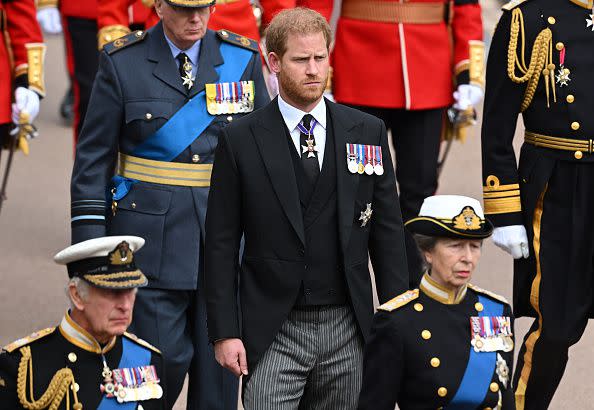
x=551, y=192
x=419, y=350
x=138, y=91
x=66, y=354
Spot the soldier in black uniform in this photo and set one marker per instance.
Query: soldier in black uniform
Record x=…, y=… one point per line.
x=448, y=344
x=88, y=361
x=540, y=65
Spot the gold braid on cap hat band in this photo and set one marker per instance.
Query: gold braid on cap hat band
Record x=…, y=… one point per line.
x=541, y=60
x=57, y=389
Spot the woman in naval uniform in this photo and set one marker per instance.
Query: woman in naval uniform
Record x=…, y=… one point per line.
x=448, y=344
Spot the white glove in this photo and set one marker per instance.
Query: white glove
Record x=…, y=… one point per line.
x=27, y=101
x=512, y=239
x=49, y=20
x=467, y=95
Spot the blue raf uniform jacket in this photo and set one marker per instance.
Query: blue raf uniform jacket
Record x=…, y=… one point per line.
x=138, y=88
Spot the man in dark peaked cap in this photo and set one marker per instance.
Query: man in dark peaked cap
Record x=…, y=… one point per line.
x=160, y=99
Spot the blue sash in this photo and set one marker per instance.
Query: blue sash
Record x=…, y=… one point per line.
x=192, y=119
x=133, y=355
x=188, y=123
x=479, y=369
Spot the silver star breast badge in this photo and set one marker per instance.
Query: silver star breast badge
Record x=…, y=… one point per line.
x=502, y=370
x=590, y=22
x=563, y=76
x=365, y=215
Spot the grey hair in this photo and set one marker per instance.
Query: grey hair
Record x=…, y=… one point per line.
x=81, y=286
x=425, y=243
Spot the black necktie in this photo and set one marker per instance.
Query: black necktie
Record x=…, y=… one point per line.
x=309, y=153
x=185, y=70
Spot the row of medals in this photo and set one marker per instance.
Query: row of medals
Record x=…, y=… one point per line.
x=145, y=391
x=356, y=166
x=229, y=104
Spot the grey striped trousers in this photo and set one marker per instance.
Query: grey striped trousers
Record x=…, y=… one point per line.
x=315, y=362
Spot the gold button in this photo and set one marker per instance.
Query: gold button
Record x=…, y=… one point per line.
x=494, y=387
x=578, y=155
x=442, y=392
x=148, y=115
x=425, y=334
x=478, y=306
x=559, y=46
x=570, y=98
x=139, y=33
x=195, y=158
x=133, y=205
x=551, y=20
x=566, y=70
x=75, y=387
x=418, y=307
x=72, y=357
x=575, y=125
x=229, y=118
x=435, y=362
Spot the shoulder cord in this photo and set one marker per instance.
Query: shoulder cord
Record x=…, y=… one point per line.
x=541, y=60
x=57, y=389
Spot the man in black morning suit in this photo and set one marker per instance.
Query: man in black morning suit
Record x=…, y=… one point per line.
x=281, y=180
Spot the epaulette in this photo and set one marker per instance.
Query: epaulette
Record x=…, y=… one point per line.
x=28, y=339
x=141, y=342
x=125, y=41
x=488, y=293
x=399, y=300
x=238, y=40
x=512, y=4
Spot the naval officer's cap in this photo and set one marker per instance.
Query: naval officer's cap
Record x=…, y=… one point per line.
x=451, y=216
x=106, y=262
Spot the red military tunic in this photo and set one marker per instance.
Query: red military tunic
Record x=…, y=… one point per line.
x=402, y=65
x=21, y=41
x=272, y=7
x=116, y=15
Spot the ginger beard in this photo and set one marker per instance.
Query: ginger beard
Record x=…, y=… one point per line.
x=300, y=91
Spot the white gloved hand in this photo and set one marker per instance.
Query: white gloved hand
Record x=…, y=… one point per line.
x=467, y=95
x=27, y=101
x=512, y=239
x=49, y=20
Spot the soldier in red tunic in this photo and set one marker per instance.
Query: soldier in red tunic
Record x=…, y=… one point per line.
x=400, y=61
x=21, y=63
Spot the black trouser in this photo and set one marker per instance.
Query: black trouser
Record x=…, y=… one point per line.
x=416, y=136
x=557, y=281
x=81, y=44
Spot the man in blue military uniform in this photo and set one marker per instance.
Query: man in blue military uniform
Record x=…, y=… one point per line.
x=160, y=99
x=88, y=361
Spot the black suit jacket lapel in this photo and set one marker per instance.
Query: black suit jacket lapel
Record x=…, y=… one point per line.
x=160, y=53
x=210, y=57
x=345, y=131
x=269, y=133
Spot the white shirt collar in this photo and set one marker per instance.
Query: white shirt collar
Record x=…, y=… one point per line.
x=191, y=52
x=293, y=116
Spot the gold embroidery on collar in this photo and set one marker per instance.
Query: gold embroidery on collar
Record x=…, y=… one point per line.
x=439, y=293
x=86, y=342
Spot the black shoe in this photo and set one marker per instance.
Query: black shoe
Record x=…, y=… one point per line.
x=67, y=107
